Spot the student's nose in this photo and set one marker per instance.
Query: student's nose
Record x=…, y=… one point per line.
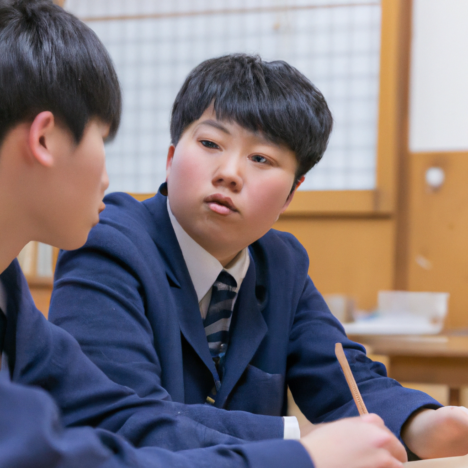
x=229, y=173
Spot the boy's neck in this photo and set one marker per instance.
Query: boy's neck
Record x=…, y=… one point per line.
x=9, y=247
x=13, y=234
x=227, y=261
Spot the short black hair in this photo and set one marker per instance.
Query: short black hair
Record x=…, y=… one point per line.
x=272, y=98
x=51, y=61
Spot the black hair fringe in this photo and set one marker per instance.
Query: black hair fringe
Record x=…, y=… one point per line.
x=272, y=98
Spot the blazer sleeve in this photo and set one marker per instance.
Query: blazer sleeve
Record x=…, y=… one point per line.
x=317, y=382
x=48, y=357
x=98, y=300
x=31, y=435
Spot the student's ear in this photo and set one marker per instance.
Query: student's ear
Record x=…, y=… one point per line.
x=40, y=134
x=291, y=195
x=170, y=157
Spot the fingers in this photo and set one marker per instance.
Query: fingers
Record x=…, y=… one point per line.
x=373, y=418
x=395, y=448
x=364, y=442
x=387, y=461
x=386, y=439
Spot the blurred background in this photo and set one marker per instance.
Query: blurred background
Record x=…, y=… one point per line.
x=387, y=207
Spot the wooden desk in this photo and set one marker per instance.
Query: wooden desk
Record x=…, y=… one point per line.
x=439, y=359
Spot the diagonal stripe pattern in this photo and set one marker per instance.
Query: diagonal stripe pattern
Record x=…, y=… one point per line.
x=218, y=317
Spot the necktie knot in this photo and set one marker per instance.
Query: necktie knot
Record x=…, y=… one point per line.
x=225, y=280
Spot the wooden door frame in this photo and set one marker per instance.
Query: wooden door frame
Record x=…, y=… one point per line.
x=402, y=214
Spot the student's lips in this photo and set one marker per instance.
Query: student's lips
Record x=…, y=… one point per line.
x=220, y=204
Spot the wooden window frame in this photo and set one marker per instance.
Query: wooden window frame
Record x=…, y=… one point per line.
x=380, y=202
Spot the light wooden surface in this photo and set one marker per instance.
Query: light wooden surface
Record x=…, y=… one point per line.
x=142, y=196
x=41, y=296
x=351, y=256
x=455, y=462
x=424, y=359
x=334, y=203
x=438, y=232
x=357, y=256
x=402, y=213
x=395, y=45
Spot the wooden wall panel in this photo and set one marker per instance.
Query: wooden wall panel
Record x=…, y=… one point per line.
x=352, y=256
x=41, y=296
x=438, y=232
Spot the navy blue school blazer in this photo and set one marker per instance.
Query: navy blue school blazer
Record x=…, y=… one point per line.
x=128, y=299
x=40, y=356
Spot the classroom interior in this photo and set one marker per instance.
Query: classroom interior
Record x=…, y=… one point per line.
x=387, y=207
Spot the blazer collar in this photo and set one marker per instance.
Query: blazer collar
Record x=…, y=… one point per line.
x=248, y=325
x=186, y=301
x=18, y=299
x=162, y=233
x=248, y=329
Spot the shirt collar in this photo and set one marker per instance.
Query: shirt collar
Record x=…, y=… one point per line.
x=203, y=268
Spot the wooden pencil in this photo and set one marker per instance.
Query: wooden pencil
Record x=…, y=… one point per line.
x=350, y=379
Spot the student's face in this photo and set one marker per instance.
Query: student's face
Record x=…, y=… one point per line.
x=227, y=185
x=77, y=181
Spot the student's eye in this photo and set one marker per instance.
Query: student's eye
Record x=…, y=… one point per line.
x=259, y=159
x=209, y=144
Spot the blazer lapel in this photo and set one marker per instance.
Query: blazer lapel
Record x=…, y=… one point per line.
x=12, y=279
x=248, y=329
x=178, y=276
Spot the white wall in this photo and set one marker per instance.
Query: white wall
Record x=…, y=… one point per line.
x=439, y=76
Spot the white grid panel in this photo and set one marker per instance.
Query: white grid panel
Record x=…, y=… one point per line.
x=334, y=43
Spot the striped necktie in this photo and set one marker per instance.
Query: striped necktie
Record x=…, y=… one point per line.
x=218, y=317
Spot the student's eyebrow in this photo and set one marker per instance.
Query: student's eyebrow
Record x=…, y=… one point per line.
x=260, y=136
x=215, y=124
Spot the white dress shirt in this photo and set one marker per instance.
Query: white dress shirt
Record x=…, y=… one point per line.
x=203, y=269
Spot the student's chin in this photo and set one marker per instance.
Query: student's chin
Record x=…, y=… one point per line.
x=76, y=242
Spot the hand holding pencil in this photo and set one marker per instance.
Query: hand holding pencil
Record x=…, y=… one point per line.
x=456, y=462
x=362, y=442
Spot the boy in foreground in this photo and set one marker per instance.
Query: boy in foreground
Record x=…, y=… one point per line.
x=59, y=101
x=191, y=297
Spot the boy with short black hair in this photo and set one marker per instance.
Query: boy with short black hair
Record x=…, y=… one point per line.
x=59, y=101
x=190, y=295
x=271, y=98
